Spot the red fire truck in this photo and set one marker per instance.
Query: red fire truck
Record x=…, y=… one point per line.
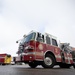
x=5, y=59
x=44, y=49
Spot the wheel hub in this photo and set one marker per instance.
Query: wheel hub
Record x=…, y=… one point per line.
x=48, y=61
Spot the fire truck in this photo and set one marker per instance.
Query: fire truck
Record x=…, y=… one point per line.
x=44, y=49
x=5, y=59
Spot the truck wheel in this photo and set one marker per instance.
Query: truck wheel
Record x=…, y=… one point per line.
x=49, y=61
x=3, y=64
x=32, y=65
x=64, y=65
x=74, y=66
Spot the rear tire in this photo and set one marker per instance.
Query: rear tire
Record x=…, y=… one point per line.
x=49, y=61
x=63, y=65
x=74, y=66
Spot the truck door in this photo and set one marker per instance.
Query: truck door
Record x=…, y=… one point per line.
x=39, y=46
x=57, y=50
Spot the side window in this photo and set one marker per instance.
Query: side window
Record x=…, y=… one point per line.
x=48, y=40
x=43, y=37
x=54, y=42
x=40, y=37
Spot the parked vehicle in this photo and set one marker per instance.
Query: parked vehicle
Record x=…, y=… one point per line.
x=5, y=59
x=44, y=49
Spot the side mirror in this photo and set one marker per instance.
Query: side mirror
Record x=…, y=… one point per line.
x=16, y=41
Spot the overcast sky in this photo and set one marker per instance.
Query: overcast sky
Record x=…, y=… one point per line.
x=19, y=17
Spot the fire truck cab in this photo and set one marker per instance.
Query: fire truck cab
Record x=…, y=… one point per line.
x=44, y=49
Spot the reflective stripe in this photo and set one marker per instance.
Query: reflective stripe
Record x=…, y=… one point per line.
x=68, y=58
x=2, y=57
x=33, y=53
x=28, y=53
x=58, y=56
x=39, y=53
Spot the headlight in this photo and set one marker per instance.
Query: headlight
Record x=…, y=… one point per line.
x=21, y=47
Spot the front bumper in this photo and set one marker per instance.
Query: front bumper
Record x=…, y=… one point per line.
x=26, y=57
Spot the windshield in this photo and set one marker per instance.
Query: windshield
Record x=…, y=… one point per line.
x=28, y=38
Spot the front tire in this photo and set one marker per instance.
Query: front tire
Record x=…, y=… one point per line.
x=49, y=61
x=32, y=65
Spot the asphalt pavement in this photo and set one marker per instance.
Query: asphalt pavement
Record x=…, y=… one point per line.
x=26, y=70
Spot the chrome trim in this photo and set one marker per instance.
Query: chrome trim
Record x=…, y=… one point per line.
x=39, y=59
x=58, y=56
x=29, y=47
x=28, y=53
